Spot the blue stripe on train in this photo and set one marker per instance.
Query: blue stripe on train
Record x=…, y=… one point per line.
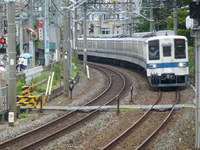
x=116, y=53
x=168, y=65
x=158, y=65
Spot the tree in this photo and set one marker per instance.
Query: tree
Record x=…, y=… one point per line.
x=182, y=30
x=143, y=26
x=163, y=20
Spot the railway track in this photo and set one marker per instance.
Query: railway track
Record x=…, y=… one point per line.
x=72, y=120
x=139, y=126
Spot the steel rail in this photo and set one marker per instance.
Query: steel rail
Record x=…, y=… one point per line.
x=59, y=132
x=143, y=144
x=63, y=130
x=127, y=131
x=13, y=140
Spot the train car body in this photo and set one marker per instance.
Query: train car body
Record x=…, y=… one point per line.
x=164, y=57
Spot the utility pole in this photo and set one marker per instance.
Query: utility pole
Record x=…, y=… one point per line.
x=194, y=8
x=21, y=31
x=85, y=39
x=151, y=18
x=57, y=33
x=12, y=62
x=175, y=18
x=66, y=46
x=31, y=42
x=75, y=33
x=1, y=20
x=197, y=83
x=113, y=29
x=46, y=33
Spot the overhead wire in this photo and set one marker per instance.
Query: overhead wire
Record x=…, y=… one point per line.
x=56, y=7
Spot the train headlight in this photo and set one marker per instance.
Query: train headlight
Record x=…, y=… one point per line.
x=152, y=66
x=182, y=64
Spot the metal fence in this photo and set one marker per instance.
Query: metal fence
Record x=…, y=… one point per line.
x=3, y=102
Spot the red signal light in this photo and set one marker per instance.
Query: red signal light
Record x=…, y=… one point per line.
x=2, y=40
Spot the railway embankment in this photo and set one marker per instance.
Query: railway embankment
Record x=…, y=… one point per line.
x=177, y=134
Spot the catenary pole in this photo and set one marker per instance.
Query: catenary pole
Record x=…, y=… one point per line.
x=66, y=47
x=21, y=30
x=46, y=33
x=31, y=42
x=175, y=18
x=85, y=39
x=75, y=33
x=151, y=18
x=197, y=83
x=57, y=34
x=12, y=61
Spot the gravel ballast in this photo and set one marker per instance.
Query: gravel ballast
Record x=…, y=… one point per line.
x=178, y=134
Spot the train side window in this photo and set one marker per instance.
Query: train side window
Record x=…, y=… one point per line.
x=154, y=53
x=179, y=45
x=166, y=51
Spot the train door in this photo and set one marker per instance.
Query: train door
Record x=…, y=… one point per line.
x=167, y=61
x=167, y=53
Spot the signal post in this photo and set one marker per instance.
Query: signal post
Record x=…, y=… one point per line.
x=12, y=63
x=195, y=26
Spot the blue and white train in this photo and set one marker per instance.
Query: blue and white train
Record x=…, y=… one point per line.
x=164, y=57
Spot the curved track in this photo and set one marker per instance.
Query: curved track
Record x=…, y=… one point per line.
x=139, y=124
x=65, y=124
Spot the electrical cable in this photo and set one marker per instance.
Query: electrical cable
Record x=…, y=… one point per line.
x=56, y=7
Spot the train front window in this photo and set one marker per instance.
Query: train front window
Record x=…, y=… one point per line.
x=154, y=53
x=179, y=45
x=166, y=51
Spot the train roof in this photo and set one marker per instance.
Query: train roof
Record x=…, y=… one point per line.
x=136, y=38
x=167, y=36
x=143, y=36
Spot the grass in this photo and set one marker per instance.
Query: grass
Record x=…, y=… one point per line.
x=23, y=115
x=126, y=109
x=191, y=54
x=57, y=68
x=44, y=75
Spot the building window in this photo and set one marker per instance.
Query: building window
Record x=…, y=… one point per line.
x=105, y=31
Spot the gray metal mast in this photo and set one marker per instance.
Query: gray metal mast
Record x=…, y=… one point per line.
x=197, y=83
x=57, y=33
x=21, y=31
x=1, y=20
x=151, y=18
x=197, y=47
x=66, y=46
x=75, y=33
x=31, y=42
x=175, y=18
x=46, y=32
x=85, y=38
x=12, y=58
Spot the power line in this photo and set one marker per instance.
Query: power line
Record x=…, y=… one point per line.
x=56, y=7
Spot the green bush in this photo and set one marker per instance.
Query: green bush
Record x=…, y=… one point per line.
x=23, y=115
x=76, y=67
x=20, y=83
x=57, y=69
x=191, y=59
x=44, y=75
x=41, y=89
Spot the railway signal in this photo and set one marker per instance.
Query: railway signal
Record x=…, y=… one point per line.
x=195, y=10
x=2, y=40
x=195, y=14
x=2, y=45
